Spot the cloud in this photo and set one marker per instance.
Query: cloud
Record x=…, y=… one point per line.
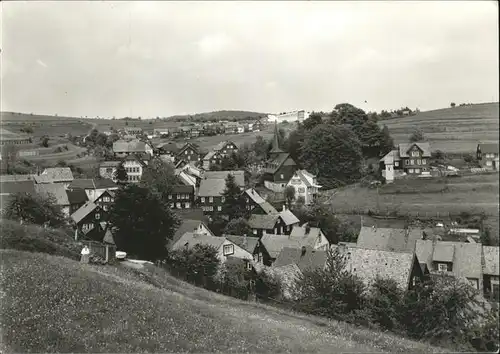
x=164, y=58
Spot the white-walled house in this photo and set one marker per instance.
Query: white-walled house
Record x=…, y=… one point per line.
x=305, y=185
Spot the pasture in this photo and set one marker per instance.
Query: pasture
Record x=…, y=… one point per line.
x=470, y=194
x=90, y=308
x=452, y=130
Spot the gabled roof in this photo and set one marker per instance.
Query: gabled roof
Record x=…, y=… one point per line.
x=211, y=154
x=275, y=243
x=239, y=176
x=265, y=222
x=77, y=196
x=89, y=183
x=288, y=217
x=59, y=174
x=182, y=189
x=305, y=232
x=187, y=225
x=55, y=190
x=17, y=187
x=467, y=257
x=211, y=187
x=275, y=163
x=222, y=145
x=83, y=211
x=265, y=205
x=307, y=178
x=186, y=146
x=108, y=236
x=488, y=148
x=305, y=258
x=168, y=146
x=491, y=260
x=390, y=157
x=122, y=146
x=404, y=148
x=186, y=178
x=247, y=243
x=191, y=239
x=368, y=264
x=398, y=240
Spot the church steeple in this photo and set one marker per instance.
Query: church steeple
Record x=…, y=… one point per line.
x=276, y=146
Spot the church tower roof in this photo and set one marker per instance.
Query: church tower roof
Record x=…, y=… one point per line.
x=276, y=146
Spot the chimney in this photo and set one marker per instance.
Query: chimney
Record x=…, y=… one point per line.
x=303, y=251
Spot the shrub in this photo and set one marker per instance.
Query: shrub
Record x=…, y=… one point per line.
x=417, y=136
x=267, y=286
x=332, y=292
x=385, y=303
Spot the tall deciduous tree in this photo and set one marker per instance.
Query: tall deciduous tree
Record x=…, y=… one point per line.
x=289, y=195
x=35, y=209
x=333, y=152
x=238, y=227
x=121, y=174
x=144, y=223
x=159, y=177
x=234, y=204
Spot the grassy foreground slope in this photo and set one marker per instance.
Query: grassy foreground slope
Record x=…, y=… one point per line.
x=54, y=304
x=451, y=129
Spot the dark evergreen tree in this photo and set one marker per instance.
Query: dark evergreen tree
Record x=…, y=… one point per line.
x=233, y=206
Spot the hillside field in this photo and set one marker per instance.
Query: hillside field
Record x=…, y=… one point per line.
x=88, y=308
x=452, y=130
x=471, y=194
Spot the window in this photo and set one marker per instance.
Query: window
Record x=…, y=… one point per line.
x=228, y=250
x=417, y=170
x=302, y=190
x=170, y=196
x=185, y=152
x=178, y=205
x=249, y=265
x=211, y=199
x=187, y=205
x=219, y=208
x=254, y=232
x=488, y=163
x=396, y=163
x=97, y=216
x=105, y=207
x=410, y=170
x=203, y=199
x=419, y=162
x=412, y=162
x=424, y=161
x=442, y=267
x=414, y=153
x=223, y=199
x=171, y=205
x=281, y=176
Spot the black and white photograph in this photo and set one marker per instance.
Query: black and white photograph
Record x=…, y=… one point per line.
x=249, y=176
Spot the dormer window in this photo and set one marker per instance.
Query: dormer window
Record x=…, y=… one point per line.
x=415, y=153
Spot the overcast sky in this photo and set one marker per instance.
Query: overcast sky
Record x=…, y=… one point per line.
x=164, y=58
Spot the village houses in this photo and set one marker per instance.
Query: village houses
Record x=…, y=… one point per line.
x=410, y=159
x=487, y=155
x=305, y=185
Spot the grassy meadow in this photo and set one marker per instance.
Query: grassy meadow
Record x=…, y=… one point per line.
x=90, y=308
x=452, y=130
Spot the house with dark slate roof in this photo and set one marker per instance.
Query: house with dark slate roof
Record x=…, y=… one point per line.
x=471, y=262
x=123, y=148
x=61, y=175
x=88, y=219
x=93, y=187
x=487, y=155
x=181, y=197
x=279, y=168
x=410, y=159
x=275, y=224
x=255, y=204
x=77, y=198
x=389, y=239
